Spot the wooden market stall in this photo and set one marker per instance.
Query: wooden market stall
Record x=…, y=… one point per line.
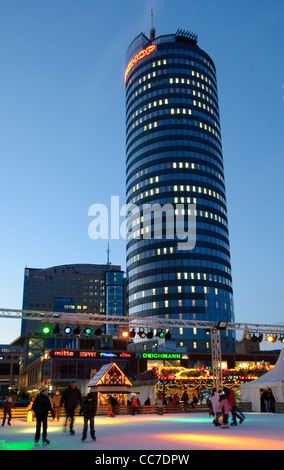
x=110, y=381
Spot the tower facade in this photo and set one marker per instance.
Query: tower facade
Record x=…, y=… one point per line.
x=174, y=160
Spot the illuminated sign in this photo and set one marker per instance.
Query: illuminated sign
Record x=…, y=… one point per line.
x=108, y=354
x=75, y=354
x=124, y=354
x=87, y=354
x=161, y=356
x=138, y=57
x=63, y=353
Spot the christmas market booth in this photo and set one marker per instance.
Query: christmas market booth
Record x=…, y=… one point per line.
x=189, y=386
x=110, y=383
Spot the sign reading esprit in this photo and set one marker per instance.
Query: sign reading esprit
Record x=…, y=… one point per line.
x=77, y=354
x=138, y=57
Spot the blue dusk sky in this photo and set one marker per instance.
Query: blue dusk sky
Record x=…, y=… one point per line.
x=62, y=134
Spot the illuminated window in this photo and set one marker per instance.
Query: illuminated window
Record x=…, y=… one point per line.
x=194, y=345
x=166, y=303
x=166, y=289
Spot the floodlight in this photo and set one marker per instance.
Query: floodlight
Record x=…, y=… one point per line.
x=271, y=338
x=56, y=330
x=257, y=339
x=222, y=325
x=77, y=331
x=160, y=334
x=88, y=330
x=168, y=335
x=46, y=329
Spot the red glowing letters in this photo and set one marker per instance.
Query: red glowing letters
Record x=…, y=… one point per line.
x=139, y=56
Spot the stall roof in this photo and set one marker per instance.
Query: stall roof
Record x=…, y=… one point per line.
x=109, y=374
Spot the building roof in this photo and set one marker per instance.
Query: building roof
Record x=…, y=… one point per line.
x=110, y=375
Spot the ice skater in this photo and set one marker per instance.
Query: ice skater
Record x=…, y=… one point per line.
x=89, y=409
x=70, y=399
x=7, y=407
x=224, y=407
x=236, y=413
x=41, y=407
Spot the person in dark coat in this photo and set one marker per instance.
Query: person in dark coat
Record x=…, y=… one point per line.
x=7, y=407
x=41, y=407
x=70, y=399
x=56, y=399
x=89, y=409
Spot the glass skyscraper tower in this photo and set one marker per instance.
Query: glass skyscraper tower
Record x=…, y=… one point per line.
x=174, y=159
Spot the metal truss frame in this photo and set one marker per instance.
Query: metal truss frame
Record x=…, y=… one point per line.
x=149, y=322
x=134, y=322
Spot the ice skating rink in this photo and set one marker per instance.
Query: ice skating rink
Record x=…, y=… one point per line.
x=169, y=432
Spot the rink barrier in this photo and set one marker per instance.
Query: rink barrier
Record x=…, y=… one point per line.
x=245, y=406
x=21, y=412
x=150, y=409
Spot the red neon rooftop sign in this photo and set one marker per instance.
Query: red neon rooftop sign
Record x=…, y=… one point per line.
x=139, y=56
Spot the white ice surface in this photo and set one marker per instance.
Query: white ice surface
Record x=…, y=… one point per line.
x=192, y=431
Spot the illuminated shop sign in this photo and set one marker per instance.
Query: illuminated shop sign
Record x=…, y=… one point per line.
x=160, y=355
x=138, y=57
x=74, y=354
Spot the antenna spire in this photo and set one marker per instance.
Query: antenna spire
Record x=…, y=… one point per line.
x=108, y=252
x=152, y=30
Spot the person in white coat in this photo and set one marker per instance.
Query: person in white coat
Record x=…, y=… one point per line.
x=215, y=396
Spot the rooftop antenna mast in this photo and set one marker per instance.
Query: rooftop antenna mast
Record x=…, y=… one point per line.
x=108, y=252
x=152, y=31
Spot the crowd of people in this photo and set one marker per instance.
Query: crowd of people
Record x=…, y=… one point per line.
x=267, y=400
x=221, y=405
x=70, y=399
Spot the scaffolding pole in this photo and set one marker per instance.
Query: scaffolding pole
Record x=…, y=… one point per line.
x=216, y=359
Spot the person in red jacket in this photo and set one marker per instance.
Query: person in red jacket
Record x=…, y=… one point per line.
x=134, y=405
x=235, y=412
